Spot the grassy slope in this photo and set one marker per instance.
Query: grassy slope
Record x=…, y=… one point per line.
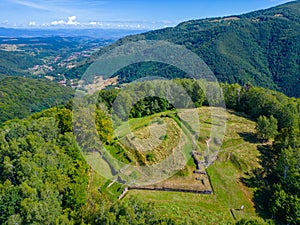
x=236, y=157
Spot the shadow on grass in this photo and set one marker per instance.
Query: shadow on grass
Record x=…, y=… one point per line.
x=260, y=179
x=241, y=114
x=249, y=137
x=214, y=124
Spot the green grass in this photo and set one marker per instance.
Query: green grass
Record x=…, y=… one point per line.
x=236, y=157
x=118, y=153
x=113, y=192
x=205, y=208
x=98, y=164
x=166, y=135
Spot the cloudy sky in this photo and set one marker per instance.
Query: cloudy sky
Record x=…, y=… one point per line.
x=126, y=14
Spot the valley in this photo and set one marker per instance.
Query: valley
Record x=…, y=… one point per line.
x=47, y=57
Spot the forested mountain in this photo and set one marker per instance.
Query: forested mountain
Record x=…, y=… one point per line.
x=16, y=64
x=20, y=97
x=261, y=47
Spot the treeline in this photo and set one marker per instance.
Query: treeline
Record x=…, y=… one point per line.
x=277, y=183
x=280, y=187
x=140, y=99
x=20, y=97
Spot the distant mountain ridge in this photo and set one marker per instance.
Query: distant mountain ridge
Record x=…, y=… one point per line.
x=70, y=32
x=261, y=47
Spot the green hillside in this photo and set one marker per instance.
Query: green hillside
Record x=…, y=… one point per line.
x=261, y=47
x=236, y=157
x=248, y=170
x=20, y=97
x=16, y=64
x=44, y=178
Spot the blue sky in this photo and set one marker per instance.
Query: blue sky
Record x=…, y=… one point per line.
x=126, y=14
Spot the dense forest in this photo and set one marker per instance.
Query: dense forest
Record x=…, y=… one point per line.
x=20, y=97
x=44, y=178
x=260, y=47
x=15, y=64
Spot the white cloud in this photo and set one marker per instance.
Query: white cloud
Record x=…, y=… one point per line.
x=71, y=21
x=71, y=18
x=58, y=22
x=32, y=23
x=139, y=25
